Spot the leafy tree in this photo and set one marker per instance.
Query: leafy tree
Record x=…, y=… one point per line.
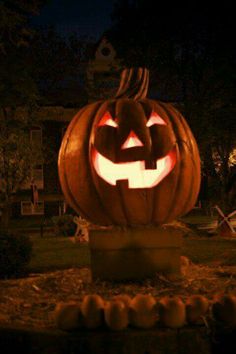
x=57, y=67
x=35, y=67
x=17, y=158
x=14, y=22
x=17, y=89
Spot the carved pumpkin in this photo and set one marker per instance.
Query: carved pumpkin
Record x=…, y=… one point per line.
x=129, y=160
x=92, y=309
x=68, y=316
x=196, y=308
x=143, y=311
x=116, y=315
x=126, y=299
x=172, y=312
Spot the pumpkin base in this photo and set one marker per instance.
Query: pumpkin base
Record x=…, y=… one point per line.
x=135, y=253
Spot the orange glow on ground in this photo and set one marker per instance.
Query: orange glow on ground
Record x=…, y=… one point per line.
x=135, y=172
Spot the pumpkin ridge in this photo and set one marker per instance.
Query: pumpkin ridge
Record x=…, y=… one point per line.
x=188, y=205
x=99, y=103
x=180, y=188
x=156, y=193
x=96, y=107
x=177, y=193
x=193, y=149
x=119, y=187
x=149, y=193
x=93, y=106
x=73, y=201
x=146, y=103
x=189, y=147
x=61, y=159
x=179, y=160
x=93, y=172
x=178, y=181
x=196, y=161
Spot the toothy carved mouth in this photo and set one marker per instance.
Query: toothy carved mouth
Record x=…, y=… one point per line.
x=135, y=172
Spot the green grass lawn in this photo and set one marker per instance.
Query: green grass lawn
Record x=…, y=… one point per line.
x=198, y=219
x=208, y=250
x=51, y=253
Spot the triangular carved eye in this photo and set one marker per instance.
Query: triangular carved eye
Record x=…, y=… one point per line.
x=108, y=120
x=155, y=119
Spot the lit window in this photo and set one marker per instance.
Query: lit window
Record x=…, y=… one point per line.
x=36, y=136
x=28, y=208
x=37, y=176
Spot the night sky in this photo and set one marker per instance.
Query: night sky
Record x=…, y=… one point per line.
x=85, y=17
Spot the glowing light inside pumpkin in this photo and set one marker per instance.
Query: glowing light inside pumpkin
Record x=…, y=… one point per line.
x=131, y=141
x=107, y=120
x=155, y=119
x=134, y=172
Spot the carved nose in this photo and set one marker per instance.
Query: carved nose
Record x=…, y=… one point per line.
x=132, y=141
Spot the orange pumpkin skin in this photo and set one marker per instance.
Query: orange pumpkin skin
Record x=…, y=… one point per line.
x=116, y=315
x=105, y=204
x=196, y=307
x=172, y=312
x=92, y=310
x=68, y=316
x=143, y=311
x=126, y=299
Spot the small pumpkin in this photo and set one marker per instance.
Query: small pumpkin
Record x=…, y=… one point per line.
x=143, y=311
x=68, y=316
x=224, y=309
x=116, y=315
x=196, y=307
x=129, y=160
x=126, y=299
x=92, y=309
x=172, y=312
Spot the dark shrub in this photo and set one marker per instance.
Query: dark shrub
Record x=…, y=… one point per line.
x=15, y=253
x=64, y=225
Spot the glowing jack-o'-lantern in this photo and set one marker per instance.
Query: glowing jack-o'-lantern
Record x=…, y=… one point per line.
x=135, y=172
x=129, y=160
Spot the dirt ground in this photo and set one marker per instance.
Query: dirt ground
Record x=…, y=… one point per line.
x=31, y=301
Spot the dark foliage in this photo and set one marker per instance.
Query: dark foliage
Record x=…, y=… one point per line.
x=64, y=225
x=15, y=254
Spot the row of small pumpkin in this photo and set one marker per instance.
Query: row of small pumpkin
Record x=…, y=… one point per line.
x=144, y=311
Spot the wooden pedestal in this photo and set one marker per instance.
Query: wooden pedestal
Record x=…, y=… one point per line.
x=135, y=253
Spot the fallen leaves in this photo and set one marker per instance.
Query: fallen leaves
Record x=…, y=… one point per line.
x=31, y=301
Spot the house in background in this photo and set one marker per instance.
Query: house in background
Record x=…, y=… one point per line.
x=103, y=72
x=53, y=122
x=100, y=78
